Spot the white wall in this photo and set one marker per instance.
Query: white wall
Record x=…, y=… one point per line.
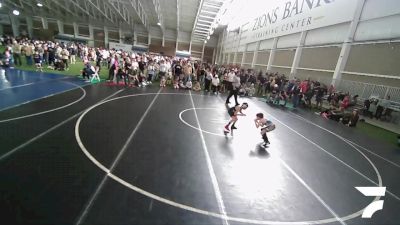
x=287, y=41
x=266, y=44
x=380, y=8
x=242, y=48
x=379, y=22
x=251, y=47
x=327, y=35
x=380, y=19
x=377, y=29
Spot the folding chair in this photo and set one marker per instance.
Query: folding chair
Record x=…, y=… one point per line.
x=95, y=76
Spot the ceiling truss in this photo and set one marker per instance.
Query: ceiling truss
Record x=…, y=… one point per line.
x=129, y=13
x=206, y=19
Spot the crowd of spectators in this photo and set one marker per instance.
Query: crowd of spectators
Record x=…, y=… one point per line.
x=141, y=69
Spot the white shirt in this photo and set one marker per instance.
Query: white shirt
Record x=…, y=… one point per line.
x=189, y=84
x=236, y=82
x=105, y=54
x=215, y=81
x=168, y=64
x=163, y=67
x=231, y=75
x=135, y=65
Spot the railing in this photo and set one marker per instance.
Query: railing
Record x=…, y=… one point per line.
x=367, y=90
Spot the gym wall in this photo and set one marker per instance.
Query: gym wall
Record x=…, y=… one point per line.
x=373, y=57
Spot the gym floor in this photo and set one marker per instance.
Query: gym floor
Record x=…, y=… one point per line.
x=159, y=156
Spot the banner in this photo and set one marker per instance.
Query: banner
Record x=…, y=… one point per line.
x=293, y=16
x=119, y=46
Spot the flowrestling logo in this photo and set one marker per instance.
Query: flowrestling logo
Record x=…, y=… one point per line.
x=376, y=205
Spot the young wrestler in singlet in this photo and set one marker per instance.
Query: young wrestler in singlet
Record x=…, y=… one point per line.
x=265, y=126
x=233, y=113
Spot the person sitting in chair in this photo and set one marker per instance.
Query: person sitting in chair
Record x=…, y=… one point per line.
x=88, y=71
x=383, y=104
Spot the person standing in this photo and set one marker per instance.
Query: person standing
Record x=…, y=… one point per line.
x=141, y=64
x=28, y=54
x=162, y=69
x=234, y=90
x=72, y=52
x=178, y=71
x=229, y=80
x=208, y=79
x=16, y=49
x=296, y=94
x=65, y=57
x=202, y=74
x=188, y=71
x=151, y=69
x=215, y=84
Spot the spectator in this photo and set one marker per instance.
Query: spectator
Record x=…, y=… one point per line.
x=187, y=70
x=176, y=84
x=178, y=71
x=141, y=65
x=261, y=83
x=38, y=62
x=16, y=50
x=151, y=69
x=296, y=94
x=65, y=57
x=345, y=103
x=352, y=120
x=113, y=67
x=215, y=83
x=208, y=79
x=52, y=57
x=7, y=57
x=202, y=74
x=354, y=101
x=189, y=85
x=72, y=53
x=318, y=97
x=28, y=49
x=197, y=86
x=251, y=79
x=251, y=90
x=163, y=69
x=87, y=71
x=383, y=104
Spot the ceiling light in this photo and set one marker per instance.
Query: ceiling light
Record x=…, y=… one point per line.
x=211, y=32
x=159, y=24
x=1, y=4
x=39, y=4
x=208, y=37
x=15, y=12
x=205, y=41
